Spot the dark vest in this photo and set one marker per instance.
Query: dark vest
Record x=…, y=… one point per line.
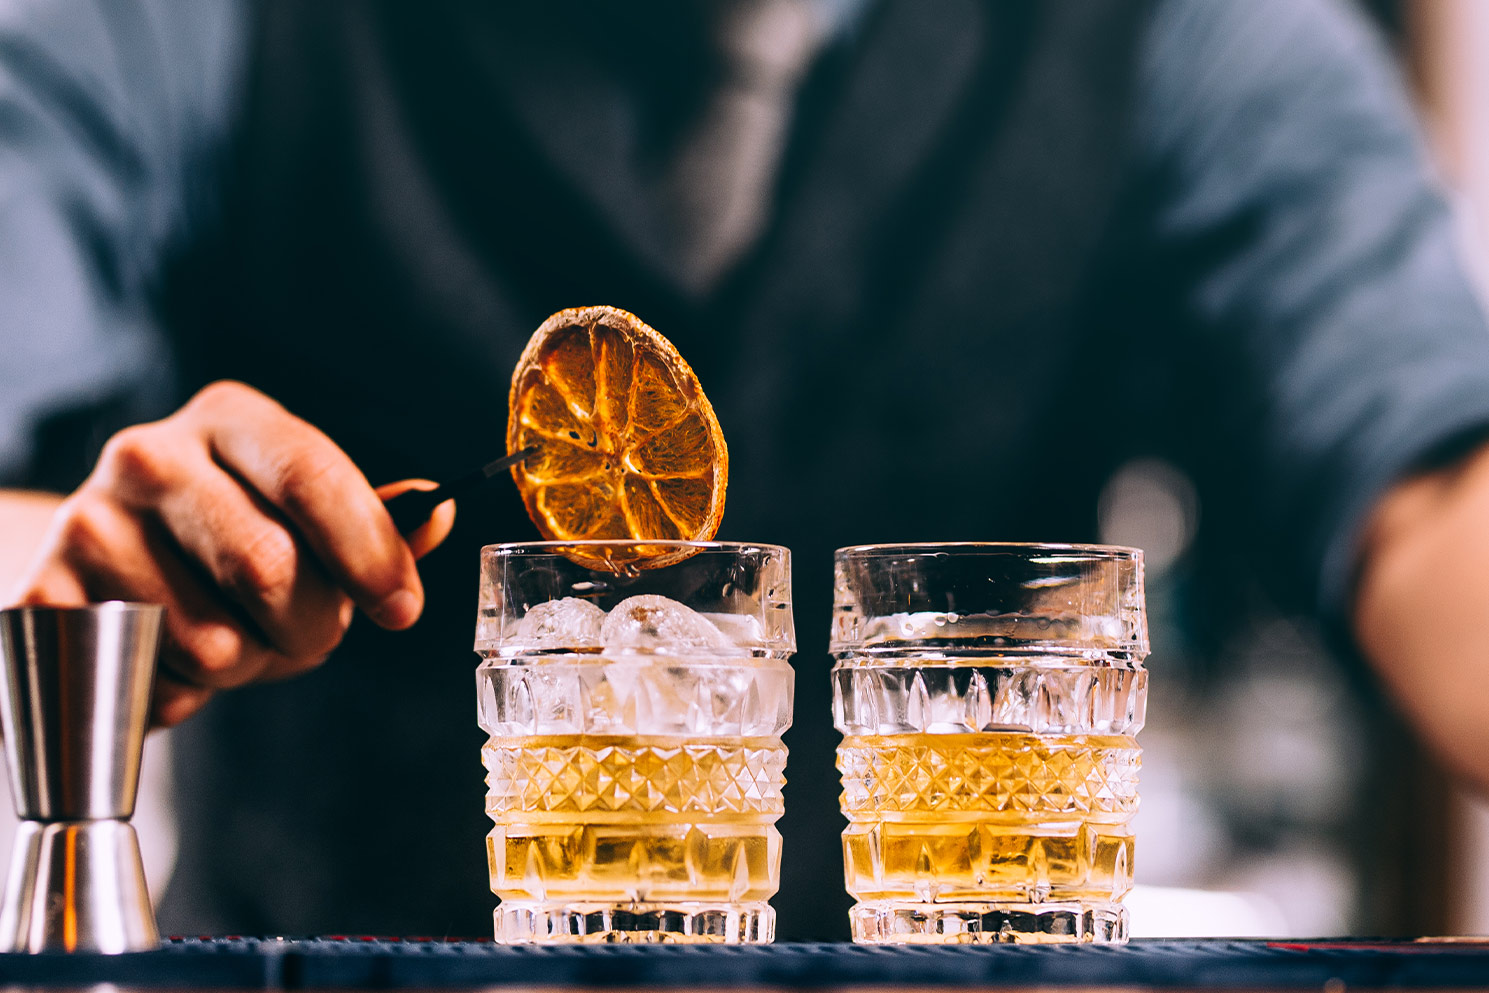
x=912, y=351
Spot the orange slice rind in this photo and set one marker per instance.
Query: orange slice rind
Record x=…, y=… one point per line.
x=628, y=446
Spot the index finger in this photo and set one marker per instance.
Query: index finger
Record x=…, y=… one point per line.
x=304, y=475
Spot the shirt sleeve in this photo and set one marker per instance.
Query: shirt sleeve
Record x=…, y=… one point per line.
x=1327, y=310
x=110, y=114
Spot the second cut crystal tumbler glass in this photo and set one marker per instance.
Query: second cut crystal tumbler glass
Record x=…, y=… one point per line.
x=635, y=762
x=989, y=695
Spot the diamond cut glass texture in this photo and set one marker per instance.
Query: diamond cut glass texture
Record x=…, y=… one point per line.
x=563, y=776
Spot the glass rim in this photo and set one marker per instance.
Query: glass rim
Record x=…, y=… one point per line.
x=1089, y=550
x=556, y=546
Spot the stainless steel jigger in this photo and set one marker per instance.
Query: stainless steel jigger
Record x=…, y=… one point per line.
x=74, y=705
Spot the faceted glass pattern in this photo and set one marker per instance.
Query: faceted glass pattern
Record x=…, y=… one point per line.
x=875, y=696
x=1080, y=774
x=682, y=777
x=590, y=695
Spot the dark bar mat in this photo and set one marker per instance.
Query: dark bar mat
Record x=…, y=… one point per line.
x=372, y=963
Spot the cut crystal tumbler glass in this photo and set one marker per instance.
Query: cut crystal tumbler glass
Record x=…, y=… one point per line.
x=989, y=695
x=635, y=762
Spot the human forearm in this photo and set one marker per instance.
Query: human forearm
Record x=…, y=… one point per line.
x=1421, y=606
x=24, y=516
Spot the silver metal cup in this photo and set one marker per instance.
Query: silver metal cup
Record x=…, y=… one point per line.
x=74, y=707
x=75, y=703
x=77, y=886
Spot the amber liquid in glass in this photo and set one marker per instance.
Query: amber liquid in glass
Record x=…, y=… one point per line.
x=988, y=818
x=634, y=820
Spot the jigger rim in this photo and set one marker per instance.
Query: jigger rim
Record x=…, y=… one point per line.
x=101, y=607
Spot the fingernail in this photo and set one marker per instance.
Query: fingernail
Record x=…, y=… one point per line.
x=397, y=611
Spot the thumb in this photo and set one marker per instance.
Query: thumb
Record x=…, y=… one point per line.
x=428, y=536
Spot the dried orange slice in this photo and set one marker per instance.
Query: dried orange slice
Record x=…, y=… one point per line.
x=628, y=445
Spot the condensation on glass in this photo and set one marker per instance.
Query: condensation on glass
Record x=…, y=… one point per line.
x=635, y=764
x=989, y=696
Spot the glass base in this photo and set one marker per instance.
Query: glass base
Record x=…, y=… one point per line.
x=892, y=922
x=521, y=922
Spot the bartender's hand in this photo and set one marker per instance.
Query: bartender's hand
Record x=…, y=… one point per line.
x=256, y=532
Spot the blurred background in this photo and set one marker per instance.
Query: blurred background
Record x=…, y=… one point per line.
x=1280, y=795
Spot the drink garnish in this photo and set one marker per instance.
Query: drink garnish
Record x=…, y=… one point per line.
x=628, y=446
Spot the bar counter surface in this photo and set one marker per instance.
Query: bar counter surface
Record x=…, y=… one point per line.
x=345, y=963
